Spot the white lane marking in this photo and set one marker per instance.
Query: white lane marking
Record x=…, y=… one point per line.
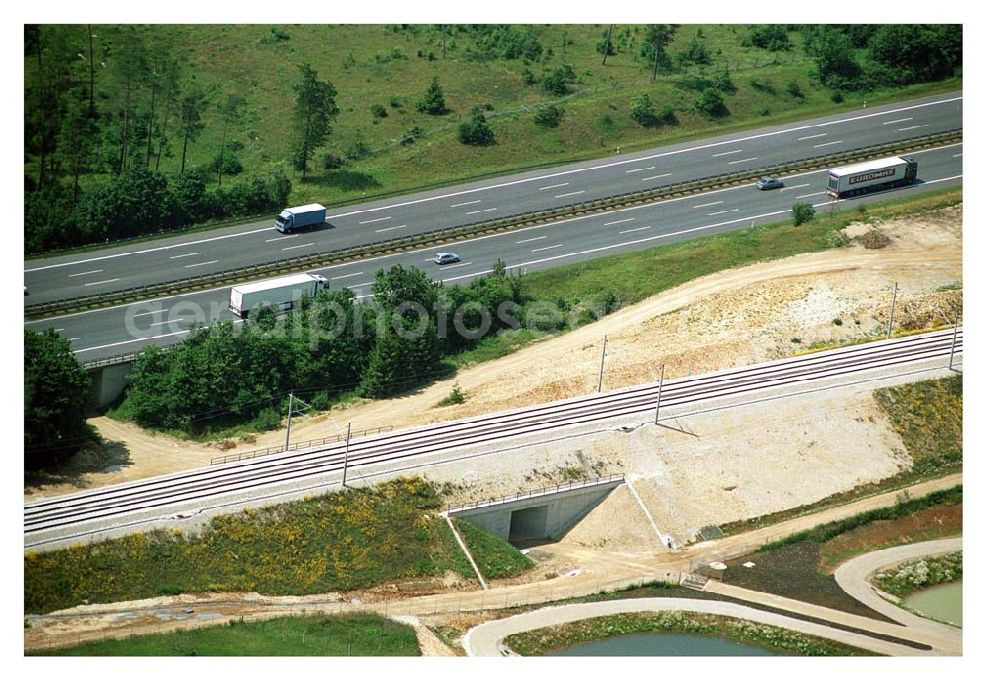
x=724, y=211
x=384, y=218
x=890, y=112
x=210, y=239
x=275, y=239
x=58, y=329
x=181, y=256
x=640, y=169
x=355, y=286
x=736, y=162
x=543, y=249
x=531, y=239
x=524, y=264
x=383, y=230
x=203, y=263
x=801, y=185
x=892, y=122
x=76, y=263
x=495, y=235
x=89, y=272
x=633, y=230
x=728, y=152
x=474, y=211
x=799, y=197
x=828, y=143
x=658, y=176
x=176, y=320
x=463, y=204
x=459, y=265
x=614, y=223
x=74, y=338
x=957, y=155
x=558, y=185
x=708, y=204
x=906, y=129
x=91, y=284
x=152, y=312
x=491, y=209
x=360, y=272
x=811, y=136
x=298, y=246
x=568, y=194
x=682, y=232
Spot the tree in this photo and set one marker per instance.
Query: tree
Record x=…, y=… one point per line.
x=229, y=108
x=56, y=399
x=643, y=111
x=315, y=104
x=834, y=55
x=557, y=82
x=606, y=46
x=432, y=102
x=917, y=53
x=476, y=132
x=658, y=36
x=192, y=106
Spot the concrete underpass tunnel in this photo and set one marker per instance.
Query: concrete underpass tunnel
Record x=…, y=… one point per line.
x=529, y=524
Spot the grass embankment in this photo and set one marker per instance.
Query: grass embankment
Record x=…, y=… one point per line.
x=337, y=541
x=780, y=640
x=390, y=66
x=495, y=557
x=801, y=565
x=927, y=415
x=313, y=635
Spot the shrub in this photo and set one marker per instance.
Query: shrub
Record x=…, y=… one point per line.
x=795, y=90
x=642, y=111
x=528, y=77
x=549, y=116
x=762, y=111
x=476, y=132
x=432, y=102
x=772, y=37
x=320, y=401
x=695, y=53
x=557, y=82
x=379, y=111
x=395, y=101
x=837, y=96
x=667, y=115
x=724, y=83
x=168, y=589
x=331, y=161
x=267, y=419
x=802, y=212
x=456, y=396
x=710, y=104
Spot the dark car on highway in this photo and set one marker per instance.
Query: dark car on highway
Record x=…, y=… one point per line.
x=769, y=183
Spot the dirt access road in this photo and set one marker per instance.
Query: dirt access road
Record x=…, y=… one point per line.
x=731, y=318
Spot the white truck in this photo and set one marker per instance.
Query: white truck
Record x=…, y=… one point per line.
x=281, y=293
x=295, y=218
x=869, y=176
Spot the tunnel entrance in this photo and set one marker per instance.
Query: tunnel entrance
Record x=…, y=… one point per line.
x=528, y=524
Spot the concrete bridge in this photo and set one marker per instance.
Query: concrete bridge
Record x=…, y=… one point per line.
x=540, y=514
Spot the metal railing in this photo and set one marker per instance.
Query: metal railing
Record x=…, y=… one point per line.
x=451, y=233
x=544, y=491
x=333, y=439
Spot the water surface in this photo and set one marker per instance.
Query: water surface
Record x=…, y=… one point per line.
x=665, y=644
x=940, y=602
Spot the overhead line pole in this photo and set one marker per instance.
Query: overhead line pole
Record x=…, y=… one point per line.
x=347, y=448
x=954, y=339
x=659, y=390
x=600, y=377
x=892, y=310
x=288, y=427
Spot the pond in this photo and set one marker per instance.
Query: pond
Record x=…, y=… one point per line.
x=940, y=602
x=665, y=644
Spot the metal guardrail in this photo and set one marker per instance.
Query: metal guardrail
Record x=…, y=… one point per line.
x=256, y=453
x=544, y=491
x=112, y=359
x=451, y=233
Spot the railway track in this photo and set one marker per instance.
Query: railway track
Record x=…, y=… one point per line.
x=146, y=500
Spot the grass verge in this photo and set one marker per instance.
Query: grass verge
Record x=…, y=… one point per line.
x=913, y=576
x=779, y=640
x=495, y=557
x=337, y=541
x=313, y=635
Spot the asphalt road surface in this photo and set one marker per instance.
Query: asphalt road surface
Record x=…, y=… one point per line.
x=123, y=329
x=137, y=264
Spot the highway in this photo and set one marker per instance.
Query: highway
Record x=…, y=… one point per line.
x=159, y=500
x=112, y=331
x=130, y=265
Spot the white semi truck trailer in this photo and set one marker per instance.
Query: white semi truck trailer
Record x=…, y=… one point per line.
x=870, y=176
x=280, y=293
